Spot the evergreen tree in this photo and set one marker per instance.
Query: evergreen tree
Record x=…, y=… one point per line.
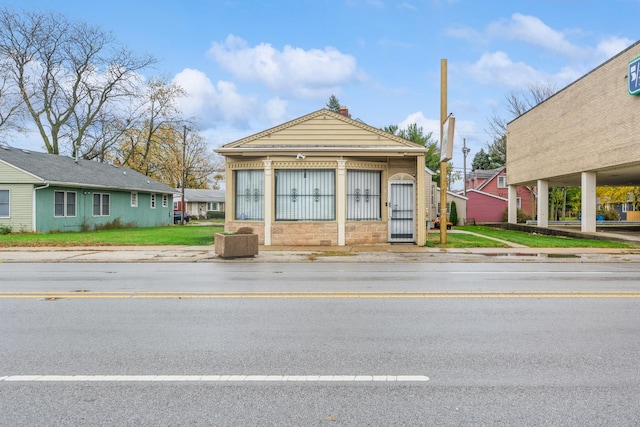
x=333, y=104
x=453, y=213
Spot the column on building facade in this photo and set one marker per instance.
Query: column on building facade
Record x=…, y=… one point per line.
x=512, y=206
x=268, y=201
x=543, y=203
x=588, y=186
x=341, y=201
x=421, y=205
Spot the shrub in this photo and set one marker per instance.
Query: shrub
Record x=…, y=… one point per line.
x=522, y=216
x=612, y=215
x=215, y=215
x=116, y=224
x=5, y=229
x=453, y=213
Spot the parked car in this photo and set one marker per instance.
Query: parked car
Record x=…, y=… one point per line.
x=436, y=224
x=177, y=216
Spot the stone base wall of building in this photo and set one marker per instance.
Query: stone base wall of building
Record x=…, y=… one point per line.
x=258, y=228
x=304, y=234
x=315, y=233
x=365, y=233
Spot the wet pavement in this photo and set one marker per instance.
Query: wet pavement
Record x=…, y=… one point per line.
x=275, y=254
x=383, y=253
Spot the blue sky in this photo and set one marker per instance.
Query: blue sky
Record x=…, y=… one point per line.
x=251, y=65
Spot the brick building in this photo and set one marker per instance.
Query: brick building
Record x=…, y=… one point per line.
x=587, y=135
x=326, y=179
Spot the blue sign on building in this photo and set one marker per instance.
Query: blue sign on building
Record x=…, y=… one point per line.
x=634, y=76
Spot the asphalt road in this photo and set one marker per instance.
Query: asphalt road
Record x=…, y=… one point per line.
x=319, y=344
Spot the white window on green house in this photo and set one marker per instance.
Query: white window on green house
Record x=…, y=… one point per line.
x=165, y=200
x=363, y=195
x=153, y=201
x=134, y=199
x=101, y=204
x=64, y=203
x=305, y=195
x=249, y=195
x=4, y=203
x=213, y=206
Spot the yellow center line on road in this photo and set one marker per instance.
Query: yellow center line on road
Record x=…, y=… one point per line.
x=312, y=295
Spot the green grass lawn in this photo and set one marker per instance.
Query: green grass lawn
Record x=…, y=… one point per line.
x=202, y=235
x=170, y=235
x=527, y=239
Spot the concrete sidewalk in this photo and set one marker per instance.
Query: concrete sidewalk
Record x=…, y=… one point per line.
x=385, y=253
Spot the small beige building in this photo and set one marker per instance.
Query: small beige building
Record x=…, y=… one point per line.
x=587, y=135
x=326, y=179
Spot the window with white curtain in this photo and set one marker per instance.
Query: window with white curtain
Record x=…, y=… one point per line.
x=305, y=195
x=249, y=195
x=363, y=195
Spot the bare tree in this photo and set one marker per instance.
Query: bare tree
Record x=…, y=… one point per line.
x=11, y=105
x=152, y=125
x=68, y=74
x=186, y=160
x=518, y=103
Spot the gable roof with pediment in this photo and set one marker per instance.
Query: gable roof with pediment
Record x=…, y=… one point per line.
x=322, y=130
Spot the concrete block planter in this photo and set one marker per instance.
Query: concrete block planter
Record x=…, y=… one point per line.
x=236, y=245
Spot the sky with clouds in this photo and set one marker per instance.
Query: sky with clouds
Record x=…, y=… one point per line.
x=251, y=65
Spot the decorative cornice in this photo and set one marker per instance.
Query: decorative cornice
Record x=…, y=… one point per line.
x=320, y=113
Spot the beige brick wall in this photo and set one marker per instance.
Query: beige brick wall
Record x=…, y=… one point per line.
x=304, y=234
x=316, y=233
x=365, y=233
x=591, y=124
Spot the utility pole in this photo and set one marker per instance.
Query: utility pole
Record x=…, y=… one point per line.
x=465, y=151
x=184, y=170
x=443, y=164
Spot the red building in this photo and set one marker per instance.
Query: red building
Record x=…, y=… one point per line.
x=488, y=196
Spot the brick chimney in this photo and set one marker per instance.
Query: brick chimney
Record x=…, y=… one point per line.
x=344, y=111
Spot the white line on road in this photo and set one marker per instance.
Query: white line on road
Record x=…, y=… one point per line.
x=214, y=378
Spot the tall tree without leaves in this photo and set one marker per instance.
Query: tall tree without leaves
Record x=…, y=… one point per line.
x=516, y=104
x=68, y=75
x=162, y=145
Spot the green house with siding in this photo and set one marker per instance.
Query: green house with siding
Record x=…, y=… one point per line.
x=42, y=192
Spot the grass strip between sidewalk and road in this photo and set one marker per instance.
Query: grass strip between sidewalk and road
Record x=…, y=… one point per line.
x=203, y=235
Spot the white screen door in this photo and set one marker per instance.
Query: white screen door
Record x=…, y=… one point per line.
x=401, y=211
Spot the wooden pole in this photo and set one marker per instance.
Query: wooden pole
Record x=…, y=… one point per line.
x=184, y=175
x=443, y=165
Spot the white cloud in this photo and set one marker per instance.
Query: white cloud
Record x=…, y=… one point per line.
x=314, y=73
x=275, y=110
x=611, y=46
x=498, y=69
x=213, y=103
x=532, y=30
x=428, y=125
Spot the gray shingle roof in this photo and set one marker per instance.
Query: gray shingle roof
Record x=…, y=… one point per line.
x=62, y=170
x=195, y=195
